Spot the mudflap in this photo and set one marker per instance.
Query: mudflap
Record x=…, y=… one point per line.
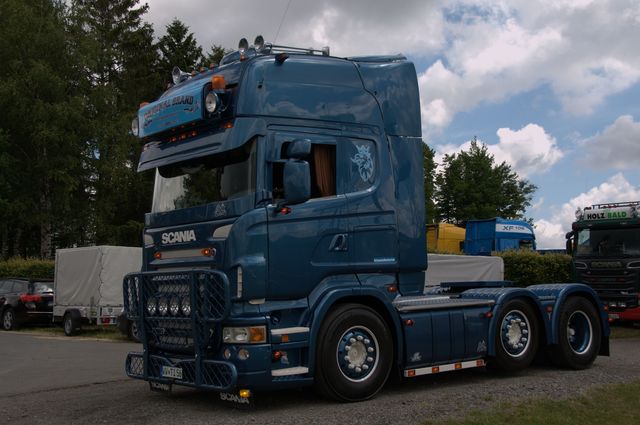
x=161, y=387
x=234, y=399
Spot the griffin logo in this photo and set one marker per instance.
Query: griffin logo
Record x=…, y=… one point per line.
x=178, y=237
x=364, y=161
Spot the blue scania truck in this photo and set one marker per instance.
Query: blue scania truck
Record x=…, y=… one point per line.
x=286, y=241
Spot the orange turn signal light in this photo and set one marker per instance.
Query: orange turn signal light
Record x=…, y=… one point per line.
x=218, y=83
x=157, y=255
x=257, y=334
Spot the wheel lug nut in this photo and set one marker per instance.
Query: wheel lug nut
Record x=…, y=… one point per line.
x=367, y=341
x=365, y=366
x=346, y=358
x=358, y=370
x=360, y=338
x=369, y=359
x=370, y=349
x=351, y=366
x=347, y=348
x=352, y=340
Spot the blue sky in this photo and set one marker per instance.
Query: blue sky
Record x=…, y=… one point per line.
x=551, y=87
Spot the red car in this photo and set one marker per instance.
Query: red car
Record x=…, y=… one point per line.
x=25, y=301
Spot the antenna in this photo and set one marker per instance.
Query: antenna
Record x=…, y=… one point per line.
x=281, y=21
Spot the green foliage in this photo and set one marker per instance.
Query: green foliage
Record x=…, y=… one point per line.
x=178, y=47
x=215, y=54
x=526, y=268
x=471, y=186
x=73, y=74
x=616, y=404
x=428, y=160
x=29, y=268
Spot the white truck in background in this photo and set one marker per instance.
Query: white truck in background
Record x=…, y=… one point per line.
x=88, y=285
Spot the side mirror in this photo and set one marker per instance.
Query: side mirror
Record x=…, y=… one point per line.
x=299, y=149
x=569, y=246
x=297, y=182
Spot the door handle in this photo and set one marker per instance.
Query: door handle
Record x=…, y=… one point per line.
x=339, y=243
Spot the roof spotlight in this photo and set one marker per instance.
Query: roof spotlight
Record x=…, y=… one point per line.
x=258, y=43
x=177, y=75
x=243, y=45
x=578, y=213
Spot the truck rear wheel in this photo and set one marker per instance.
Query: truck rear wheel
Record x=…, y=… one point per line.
x=579, y=335
x=517, y=337
x=354, y=354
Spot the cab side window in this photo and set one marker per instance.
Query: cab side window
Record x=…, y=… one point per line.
x=322, y=167
x=323, y=170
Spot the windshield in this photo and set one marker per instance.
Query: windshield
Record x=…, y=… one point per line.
x=205, y=180
x=608, y=242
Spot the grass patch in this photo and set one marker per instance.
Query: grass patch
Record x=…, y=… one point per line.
x=110, y=333
x=618, y=404
x=625, y=331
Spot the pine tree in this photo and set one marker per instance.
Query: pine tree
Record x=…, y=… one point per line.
x=178, y=47
x=119, y=63
x=40, y=108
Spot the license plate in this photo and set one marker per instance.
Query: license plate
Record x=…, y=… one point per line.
x=171, y=372
x=614, y=316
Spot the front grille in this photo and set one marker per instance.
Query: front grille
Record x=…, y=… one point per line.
x=178, y=310
x=610, y=280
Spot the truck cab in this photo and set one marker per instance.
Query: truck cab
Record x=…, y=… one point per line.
x=605, y=245
x=482, y=237
x=286, y=247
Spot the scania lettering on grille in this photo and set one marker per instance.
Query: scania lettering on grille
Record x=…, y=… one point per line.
x=178, y=237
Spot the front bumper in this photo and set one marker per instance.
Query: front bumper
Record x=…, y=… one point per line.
x=206, y=374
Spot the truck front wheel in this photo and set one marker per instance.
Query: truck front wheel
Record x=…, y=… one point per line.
x=354, y=354
x=517, y=337
x=579, y=335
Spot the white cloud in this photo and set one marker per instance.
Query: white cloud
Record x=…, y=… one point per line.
x=585, y=51
x=550, y=233
x=618, y=146
x=484, y=50
x=355, y=27
x=528, y=151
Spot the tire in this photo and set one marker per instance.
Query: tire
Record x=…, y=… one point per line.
x=134, y=333
x=9, y=319
x=70, y=325
x=517, y=337
x=579, y=335
x=354, y=354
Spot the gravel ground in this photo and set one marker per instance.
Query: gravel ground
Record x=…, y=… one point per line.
x=415, y=401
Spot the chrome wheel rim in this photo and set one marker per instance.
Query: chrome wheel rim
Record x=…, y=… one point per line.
x=357, y=353
x=515, y=334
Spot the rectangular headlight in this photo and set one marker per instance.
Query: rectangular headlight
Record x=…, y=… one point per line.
x=245, y=335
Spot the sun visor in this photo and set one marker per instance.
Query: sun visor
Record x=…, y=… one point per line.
x=157, y=154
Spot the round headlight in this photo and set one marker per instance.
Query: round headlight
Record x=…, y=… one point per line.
x=185, y=306
x=163, y=306
x=211, y=102
x=135, y=127
x=174, y=306
x=152, y=306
